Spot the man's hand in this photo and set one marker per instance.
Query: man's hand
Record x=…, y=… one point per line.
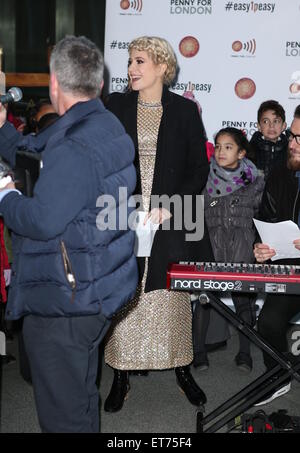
x=297, y=244
x=263, y=252
x=3, y=115
x=9, y=185
x=158, y=215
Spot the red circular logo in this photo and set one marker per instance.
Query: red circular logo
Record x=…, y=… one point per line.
x=295, y=87
x=125, y=4
x=237, y=46
x=189, y=46
x=245, y=88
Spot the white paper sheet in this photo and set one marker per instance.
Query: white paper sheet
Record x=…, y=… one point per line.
x=144, y=234
x=279, y=236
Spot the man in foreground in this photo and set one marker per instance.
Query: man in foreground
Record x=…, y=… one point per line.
x=69, y=277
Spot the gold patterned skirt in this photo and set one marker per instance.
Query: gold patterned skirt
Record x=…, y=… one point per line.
x=153, y=332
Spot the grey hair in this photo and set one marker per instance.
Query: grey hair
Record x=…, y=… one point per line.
x=78, y=65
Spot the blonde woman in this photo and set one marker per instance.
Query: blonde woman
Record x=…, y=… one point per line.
x=155, y=332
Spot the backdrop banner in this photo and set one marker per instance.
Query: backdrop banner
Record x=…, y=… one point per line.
x=231, y=55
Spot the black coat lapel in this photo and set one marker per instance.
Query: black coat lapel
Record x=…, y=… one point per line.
x=130, y=124
x=158, y=182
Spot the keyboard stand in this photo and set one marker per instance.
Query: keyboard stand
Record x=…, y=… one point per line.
x=256, y=390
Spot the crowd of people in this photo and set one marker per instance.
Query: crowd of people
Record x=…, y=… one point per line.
x=76, y=284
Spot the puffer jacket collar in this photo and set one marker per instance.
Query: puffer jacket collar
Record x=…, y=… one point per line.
x=72, y=116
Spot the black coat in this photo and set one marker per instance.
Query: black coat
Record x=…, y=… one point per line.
x=266, y=154
x=281, y=200
x=181, y=167
x=230, y=222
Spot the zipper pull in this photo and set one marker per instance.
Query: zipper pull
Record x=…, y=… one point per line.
x=71, y=280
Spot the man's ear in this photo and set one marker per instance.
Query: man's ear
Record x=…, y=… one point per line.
x=284, y=126
x=258, y=127
x=53, y=84
x=101, y=86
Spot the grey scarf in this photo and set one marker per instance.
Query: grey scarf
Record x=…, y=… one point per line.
x=223, y=182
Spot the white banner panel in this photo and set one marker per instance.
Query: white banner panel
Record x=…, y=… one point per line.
x=232, y=55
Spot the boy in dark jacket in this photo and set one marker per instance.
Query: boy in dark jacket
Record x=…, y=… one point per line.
x=269, y=143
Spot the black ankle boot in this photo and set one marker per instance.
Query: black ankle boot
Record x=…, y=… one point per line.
x=139, y=372
x=188, y=385
x=118, y=392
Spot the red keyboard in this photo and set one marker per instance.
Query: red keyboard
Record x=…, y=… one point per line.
x=250, y=278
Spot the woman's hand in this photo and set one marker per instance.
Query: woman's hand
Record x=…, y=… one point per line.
x=263, y=252
x=157, y=215
x=297, y=244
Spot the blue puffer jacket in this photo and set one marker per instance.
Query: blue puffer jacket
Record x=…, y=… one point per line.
x=63, y=264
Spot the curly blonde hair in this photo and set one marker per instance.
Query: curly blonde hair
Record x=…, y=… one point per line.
x=160, y=51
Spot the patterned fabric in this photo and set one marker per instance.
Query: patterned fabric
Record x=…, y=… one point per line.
x=155, y=330
x=223, y=182
x=148, y=121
